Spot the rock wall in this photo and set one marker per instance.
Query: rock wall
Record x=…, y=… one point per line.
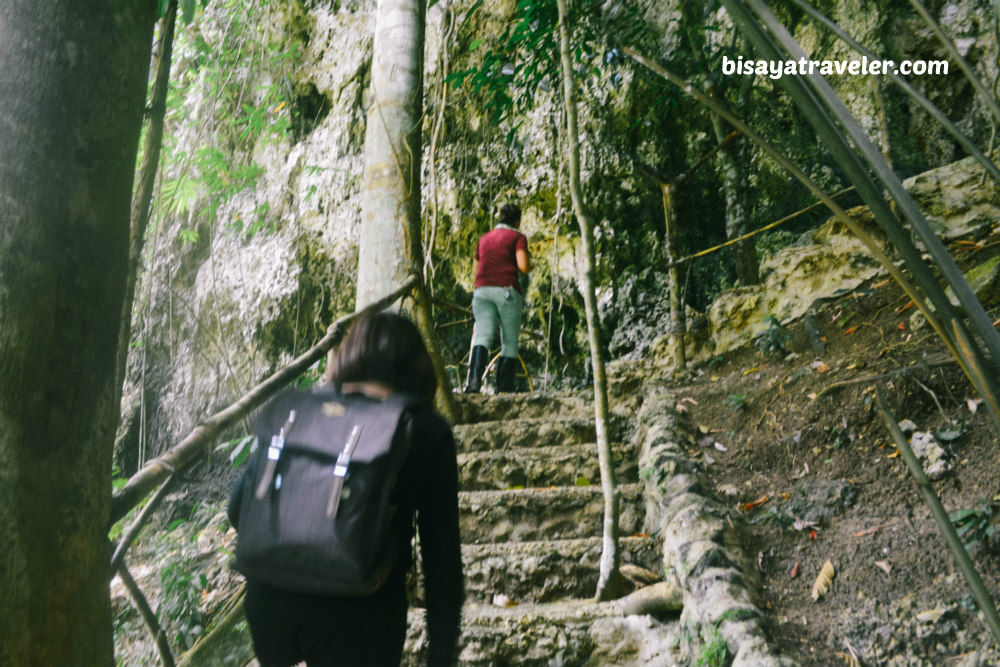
x=957, y=199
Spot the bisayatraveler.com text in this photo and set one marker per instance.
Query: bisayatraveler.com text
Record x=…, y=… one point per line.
x=775, y=69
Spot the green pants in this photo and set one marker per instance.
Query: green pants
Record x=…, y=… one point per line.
x=491, y=305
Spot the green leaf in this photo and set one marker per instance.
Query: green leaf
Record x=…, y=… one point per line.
x=961, y=515
x=241, y=451
x=187, y=10
x=188, y=235
x=475, y=44
x=582, y=481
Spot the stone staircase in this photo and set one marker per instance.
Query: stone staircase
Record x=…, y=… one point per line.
x=531, y=517
x=531, y=513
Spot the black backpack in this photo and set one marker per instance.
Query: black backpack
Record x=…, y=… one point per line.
x=315, y=514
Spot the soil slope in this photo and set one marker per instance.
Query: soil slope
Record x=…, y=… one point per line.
x=795, y=442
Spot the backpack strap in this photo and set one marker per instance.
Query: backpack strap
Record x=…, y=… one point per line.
x=273, y=454
x=340, y=471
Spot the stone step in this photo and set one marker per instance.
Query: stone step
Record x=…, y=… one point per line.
x=542, y=466
x=549, y=570
x=532, y=405
x=571, y=632
x=523, y=432
x=527, y=515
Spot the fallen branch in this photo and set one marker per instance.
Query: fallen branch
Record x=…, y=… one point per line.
x=871, y=379
x=148, y=616
x=204, y=434
x=129, y=535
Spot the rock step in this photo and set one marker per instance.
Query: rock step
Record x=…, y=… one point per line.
x=572, y=632
x=548, y=570
x=538, y=405
x=528, y=515
x=542, y=466
x=523, y=432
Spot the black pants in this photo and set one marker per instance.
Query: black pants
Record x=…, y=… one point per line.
x=324, y=631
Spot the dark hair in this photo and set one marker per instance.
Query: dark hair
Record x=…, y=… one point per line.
x=385, y=347
x=510, y=214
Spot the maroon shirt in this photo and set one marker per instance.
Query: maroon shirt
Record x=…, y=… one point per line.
x=496, y=253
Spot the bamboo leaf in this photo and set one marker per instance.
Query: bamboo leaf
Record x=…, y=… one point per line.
x=916, y=95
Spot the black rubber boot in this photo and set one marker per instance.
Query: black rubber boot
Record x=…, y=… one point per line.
x=506, y=369
x=477, y=365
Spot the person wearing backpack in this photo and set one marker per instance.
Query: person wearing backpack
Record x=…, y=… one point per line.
x=380, y=379
x=499, y=265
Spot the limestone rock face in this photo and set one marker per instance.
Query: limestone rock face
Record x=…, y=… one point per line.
x=957, y=200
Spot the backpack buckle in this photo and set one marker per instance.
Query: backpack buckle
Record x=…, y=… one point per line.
x=340, y=471
x=273, y=454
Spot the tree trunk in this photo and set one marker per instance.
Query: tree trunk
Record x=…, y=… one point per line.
x=734, y=160
x=391, y=185
x=141, y=209
x=147, y=178
x=390, y=247
x=678, y=319
x=73, y=81
x=610, y=583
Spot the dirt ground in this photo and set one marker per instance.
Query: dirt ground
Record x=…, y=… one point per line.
x=809, y=461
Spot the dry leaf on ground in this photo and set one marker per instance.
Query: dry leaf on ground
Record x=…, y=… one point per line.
x=823, y=581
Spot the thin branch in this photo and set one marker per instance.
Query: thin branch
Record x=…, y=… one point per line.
x=148, y=616
x=787, y=218
x=146, y=181
x=888, y=375
x=202, y=436
x=649, y=171
x=133, y=531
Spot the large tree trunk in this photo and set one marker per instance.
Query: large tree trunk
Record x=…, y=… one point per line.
x=391, y=185
x=390, y=247
x=73, y=84
x=610, y=582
